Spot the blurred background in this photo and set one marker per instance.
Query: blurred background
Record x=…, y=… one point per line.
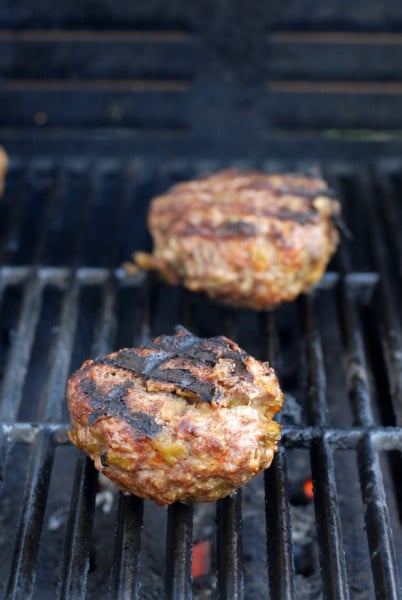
x=207, y=78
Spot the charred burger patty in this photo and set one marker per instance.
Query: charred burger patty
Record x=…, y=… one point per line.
x=249, y=239
x=183, y=418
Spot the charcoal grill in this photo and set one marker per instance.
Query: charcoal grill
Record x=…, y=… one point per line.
x=92, y=137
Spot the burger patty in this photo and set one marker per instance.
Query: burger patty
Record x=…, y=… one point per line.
x=3, y=168
x=249, y=239
x=184, y=418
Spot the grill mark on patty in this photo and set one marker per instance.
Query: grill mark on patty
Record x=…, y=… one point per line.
x=290, y=190
x=112, y=404
x=240, y=363
x=300, y=217
x=243, y=229
x=186, y=382
x=185, y=350
x=303, y=216
x=230, y=229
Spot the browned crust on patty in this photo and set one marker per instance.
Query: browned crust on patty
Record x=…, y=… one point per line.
x=249, y=239
x=185, y=418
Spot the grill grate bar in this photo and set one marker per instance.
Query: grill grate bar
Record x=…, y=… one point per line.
x=229, y=546
x=19, y=355
x=356, y=368
x=330, y=542
x=230, y=570
x=315, y=365
x=382, y=551
x=11, y=238
x=95, y=275
x=269, y=337
x=4, y=450
x=277, y=510
x=391, y=345
x=344, y=439
x=384, y=438
x=49, y=195
x=179, y=552
x=90, y=181
x=75, y=563
x=145, y=330
x=389, y=202
x=279, y=538
x=125, y=580
x=390, y=327
x=125, y=203
x=51, y=407
x=22, y=568
x=106, y=326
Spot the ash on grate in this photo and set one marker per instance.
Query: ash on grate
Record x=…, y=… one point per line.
x=291, y=413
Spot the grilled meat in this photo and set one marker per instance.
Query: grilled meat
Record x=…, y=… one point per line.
x=183, y=418
x=252, y=240
x=3, y=168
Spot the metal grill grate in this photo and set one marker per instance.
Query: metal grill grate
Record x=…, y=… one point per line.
x=65, y=227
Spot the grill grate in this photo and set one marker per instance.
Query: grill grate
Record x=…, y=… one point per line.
x=65, y=227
